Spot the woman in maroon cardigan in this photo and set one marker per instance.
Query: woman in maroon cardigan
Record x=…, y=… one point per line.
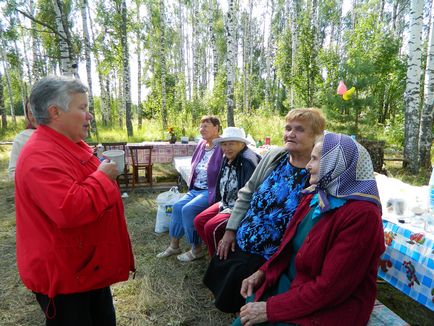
x=324, y=272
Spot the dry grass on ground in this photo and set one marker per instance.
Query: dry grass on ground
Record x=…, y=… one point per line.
x=164, y=292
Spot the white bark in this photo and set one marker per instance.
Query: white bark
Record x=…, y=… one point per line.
x=412, y=91
x=163, y=66
x=182, y=62
x=195, y=40
x=35, y=48
x=2, y=105
x=426, y=124
x=6, y=69
x=67, y=65
x=126, y=70
x=139, y=68
x=212, y=6
x=88, y=59
x=294, y=41
x=105, y=101
x=230, y=62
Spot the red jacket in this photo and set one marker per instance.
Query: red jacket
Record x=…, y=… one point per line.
x=70, y=225
x=336, y=268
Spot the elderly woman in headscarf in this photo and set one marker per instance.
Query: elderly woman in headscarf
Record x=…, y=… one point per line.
x=325, y=269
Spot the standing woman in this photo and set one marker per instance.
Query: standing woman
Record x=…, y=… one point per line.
x=325, y=270
x=205, y=165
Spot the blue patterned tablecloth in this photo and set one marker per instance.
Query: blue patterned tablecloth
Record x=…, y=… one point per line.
x=408, y=262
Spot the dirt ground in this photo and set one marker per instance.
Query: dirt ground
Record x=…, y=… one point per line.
x=164, y=292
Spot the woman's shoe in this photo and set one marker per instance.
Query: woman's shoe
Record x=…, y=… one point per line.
x=169, y=252
x=190, y=256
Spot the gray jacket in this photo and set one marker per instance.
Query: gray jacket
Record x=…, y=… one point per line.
x=262, y=171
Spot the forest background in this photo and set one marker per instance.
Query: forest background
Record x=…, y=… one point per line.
x=153, y=64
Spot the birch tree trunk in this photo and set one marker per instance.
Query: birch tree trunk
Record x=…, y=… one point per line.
x=2, y=105
x=105, y=101
x=68, y=66
x=26, y=58
x=139, y=69
x=36, y=65
x=20, y=76
x=195, y=37
x=6, y=69
x=230, y=63
x=163, y=66
x=412, y=91
x=269, y=55
x=212, y=6
x=126, y=70
x=426, y=124
x=181, y=60
x=294, y=39
x=88, y=59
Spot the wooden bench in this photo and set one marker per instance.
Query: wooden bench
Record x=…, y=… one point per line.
x=381, y=315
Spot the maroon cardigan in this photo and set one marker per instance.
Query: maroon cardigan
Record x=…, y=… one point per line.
x=336, y=268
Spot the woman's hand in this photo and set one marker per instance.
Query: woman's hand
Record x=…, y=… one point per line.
x=226, y=243
x=253, y=313
x=251, y=283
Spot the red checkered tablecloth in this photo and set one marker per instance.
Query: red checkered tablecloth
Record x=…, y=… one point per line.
x=164, y=152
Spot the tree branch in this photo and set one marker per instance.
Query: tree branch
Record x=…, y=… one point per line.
x=51, y=28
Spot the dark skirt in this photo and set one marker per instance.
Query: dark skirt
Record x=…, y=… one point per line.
x=224, y=278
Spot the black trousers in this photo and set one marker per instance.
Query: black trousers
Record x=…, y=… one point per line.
x=92, y=308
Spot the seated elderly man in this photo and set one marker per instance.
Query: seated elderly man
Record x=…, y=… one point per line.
x=72, y=239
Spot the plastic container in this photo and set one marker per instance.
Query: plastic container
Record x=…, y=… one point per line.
x=431, y=193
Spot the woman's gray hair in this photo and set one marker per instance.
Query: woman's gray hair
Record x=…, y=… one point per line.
x=53, y=90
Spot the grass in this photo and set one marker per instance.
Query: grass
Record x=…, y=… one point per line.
x=164, y=292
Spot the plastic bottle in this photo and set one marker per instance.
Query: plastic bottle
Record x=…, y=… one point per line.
x=431, y=193
x=99, y=150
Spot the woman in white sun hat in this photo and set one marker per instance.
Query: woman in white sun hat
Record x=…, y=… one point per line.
x=238, y=165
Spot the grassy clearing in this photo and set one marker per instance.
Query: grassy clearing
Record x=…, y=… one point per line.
x=164, y=292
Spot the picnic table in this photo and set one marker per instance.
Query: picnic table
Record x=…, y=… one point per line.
x=164, y=152
x=408, y=262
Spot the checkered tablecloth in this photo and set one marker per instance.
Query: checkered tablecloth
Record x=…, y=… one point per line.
x=408, y=262
x=164, y=152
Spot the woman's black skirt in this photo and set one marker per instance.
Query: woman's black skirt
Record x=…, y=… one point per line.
x=224, y=278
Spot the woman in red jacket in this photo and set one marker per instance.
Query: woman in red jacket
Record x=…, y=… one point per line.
x=71, y=232
x=324, y=272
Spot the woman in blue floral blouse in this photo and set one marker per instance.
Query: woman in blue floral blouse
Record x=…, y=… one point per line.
x=264, y=207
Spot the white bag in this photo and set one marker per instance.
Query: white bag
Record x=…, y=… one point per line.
x=165, y=202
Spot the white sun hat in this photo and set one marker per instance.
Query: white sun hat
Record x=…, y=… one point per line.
x=232, y=134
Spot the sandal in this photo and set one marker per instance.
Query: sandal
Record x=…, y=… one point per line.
x=169, y=252
x=190, y=256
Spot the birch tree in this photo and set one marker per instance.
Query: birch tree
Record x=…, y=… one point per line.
x=426, y=124
x=126, y=84
x=6, y=69
x=84, y=5
x=163, y=66
x=139, y=64
x=412, y=91
x=230, y=63
x=2, y=105
x=105, y=100
x=68, y=66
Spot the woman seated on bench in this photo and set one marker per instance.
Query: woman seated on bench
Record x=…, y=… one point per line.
x=325, y=269
x=239, y=162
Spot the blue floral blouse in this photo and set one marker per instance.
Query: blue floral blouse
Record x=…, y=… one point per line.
x=271, y=209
